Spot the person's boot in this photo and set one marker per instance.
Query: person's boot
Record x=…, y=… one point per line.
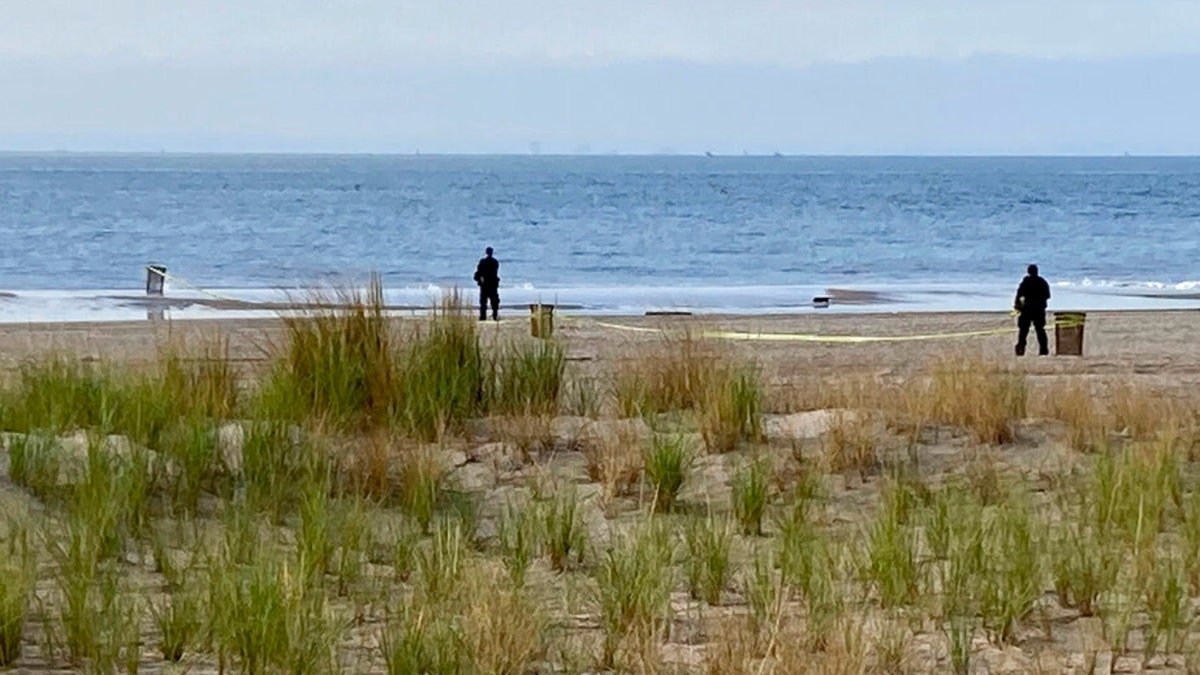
x=1020, y=350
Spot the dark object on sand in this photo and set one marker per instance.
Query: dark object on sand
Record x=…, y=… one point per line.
x=156, y=279
x=541, y=321
x=1068, y=333
x=1032, y=297
x=487, y=275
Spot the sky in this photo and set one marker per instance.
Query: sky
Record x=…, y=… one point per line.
x=799, y=76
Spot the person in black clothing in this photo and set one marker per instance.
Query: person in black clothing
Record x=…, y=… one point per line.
x=1032, y=296
x=487, y=275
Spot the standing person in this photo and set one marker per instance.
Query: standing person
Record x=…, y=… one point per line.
x=487, y=275
x=1032, y=296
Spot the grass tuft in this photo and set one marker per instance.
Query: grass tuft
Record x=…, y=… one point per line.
x=445, y=376
x=851, y=443
x=970, y=394
x=421, y=640
x=892, y=548
x=179, y=622
x=441, y=563
x=529, y=379
x=502, y=629
x=422, y=479
x=519, y=537
x=35, y=463
x=751, y=492
x=267, y=617
x=634, y=588
x=668, y=461
x=564, y=531
x=1012, y=579
x=339, y=363
x=17, y=580
x=729, y=406
x=709, y=541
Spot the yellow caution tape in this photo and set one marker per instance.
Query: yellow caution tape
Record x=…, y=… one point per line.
x=634, y=329
x=806, y=337
x=1075, y=321
x=187, y=284
x=835, y=339
x=849, y=339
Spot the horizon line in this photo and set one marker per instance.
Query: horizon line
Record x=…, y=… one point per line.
x=576, y=155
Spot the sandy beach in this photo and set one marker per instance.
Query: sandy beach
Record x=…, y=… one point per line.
x=1152, y=347
x=1005, y=453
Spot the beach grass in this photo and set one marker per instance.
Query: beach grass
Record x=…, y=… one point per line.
x=634, y=581
x=667, y=463
x=709, y=542
x=751, y=493
x=333, y=511
x=17, y=580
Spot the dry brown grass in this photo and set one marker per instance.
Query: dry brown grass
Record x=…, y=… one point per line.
x=966, y=392
x=422, y=474
x=1074, y=404
x=504, y=630
x=668, y=376
x=1139, y=412
x=1094, y=414
x=983, y=399
x=910, y=407
x=685, y=373
x=846, y=652
x=849, y=390
x=851, y=443
x=615, y=460
x=367, y=463
x=786, y=650
x=985, y=475
x=532, y=432
x=733, y=649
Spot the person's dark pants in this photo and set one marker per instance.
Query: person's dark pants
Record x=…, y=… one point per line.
x=1038, y=321
x=489, y=294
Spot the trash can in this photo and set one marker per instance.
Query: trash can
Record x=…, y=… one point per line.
x=1068, y=333
x=156, y=276
x=541, y=320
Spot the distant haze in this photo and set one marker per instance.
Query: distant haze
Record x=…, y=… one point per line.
x=521, y=76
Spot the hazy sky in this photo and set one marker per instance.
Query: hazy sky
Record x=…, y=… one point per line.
x=479, y=75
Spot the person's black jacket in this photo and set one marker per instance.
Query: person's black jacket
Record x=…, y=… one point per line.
x=487, y=273
x=1032, y=295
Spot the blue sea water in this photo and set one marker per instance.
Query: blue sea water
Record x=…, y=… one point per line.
x=608, y=233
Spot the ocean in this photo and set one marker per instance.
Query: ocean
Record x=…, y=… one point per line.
x=598, y=234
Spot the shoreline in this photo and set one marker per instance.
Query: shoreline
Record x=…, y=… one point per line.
x=114, y=305
x=418, y=313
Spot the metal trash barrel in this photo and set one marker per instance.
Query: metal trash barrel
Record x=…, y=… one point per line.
x=1068, y=333
x=541, y=320
x=156, y=276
